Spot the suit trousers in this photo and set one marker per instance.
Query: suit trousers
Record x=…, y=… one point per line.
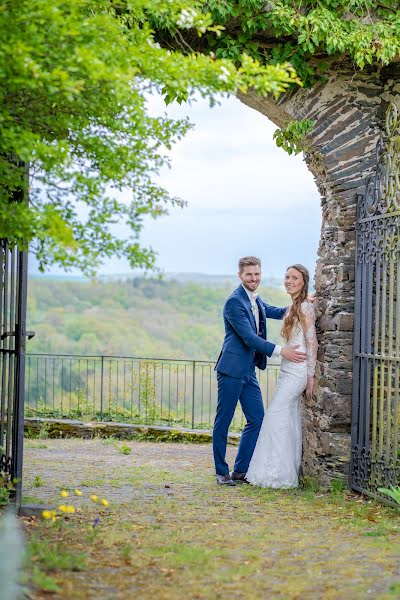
x=230, y=391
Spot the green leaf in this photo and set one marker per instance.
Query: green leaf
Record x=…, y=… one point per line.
x=73, y=77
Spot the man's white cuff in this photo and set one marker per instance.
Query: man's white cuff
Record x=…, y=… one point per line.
x=277, y=350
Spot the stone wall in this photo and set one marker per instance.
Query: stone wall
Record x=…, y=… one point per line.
x=348, y=110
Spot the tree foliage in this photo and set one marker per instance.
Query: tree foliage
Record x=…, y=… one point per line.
x=292, y=137
x=312, y=35
x=308, y=33
x=74, y=77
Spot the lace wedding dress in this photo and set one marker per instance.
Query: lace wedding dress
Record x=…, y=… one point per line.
x=277, y=455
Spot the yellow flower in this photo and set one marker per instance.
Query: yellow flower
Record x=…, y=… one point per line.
x=94, y=498
x=78, y=492
x=105, y=502
x=66, y=508
x=64, y=494
x=47, y=514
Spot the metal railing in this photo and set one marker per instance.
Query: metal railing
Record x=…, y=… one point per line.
x=151, y=391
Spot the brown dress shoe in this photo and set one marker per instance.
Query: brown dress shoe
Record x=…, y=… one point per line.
x=225, y=480
x=238, y=477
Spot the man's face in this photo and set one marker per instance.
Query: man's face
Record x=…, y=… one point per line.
x=250, y=277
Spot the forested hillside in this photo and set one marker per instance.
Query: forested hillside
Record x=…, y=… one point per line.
x=137, y=317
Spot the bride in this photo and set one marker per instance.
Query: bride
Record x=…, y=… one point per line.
x=277, y=455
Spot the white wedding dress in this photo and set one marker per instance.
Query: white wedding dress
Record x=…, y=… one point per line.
x=277, y=455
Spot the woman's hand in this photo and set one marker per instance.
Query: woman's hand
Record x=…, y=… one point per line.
x=310, y=387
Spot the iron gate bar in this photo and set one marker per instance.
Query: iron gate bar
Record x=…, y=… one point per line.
x=13, y=281
x=375, y=217
x=11, y=382
x=375, y=419
x=20, y=347
x=5, y=463
x=391, y=358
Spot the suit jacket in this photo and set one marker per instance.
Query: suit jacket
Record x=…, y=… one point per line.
x=242, y=347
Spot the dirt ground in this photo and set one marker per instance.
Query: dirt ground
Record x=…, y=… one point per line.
x=170, y=532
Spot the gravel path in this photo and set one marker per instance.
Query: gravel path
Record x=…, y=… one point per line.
x=172, y=533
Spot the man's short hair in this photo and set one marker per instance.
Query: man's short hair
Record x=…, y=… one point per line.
x=248, y=261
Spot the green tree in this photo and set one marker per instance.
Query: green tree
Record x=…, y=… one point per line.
x=73, y=82
x=311, y=34
x=181, y=320
x=315, y=36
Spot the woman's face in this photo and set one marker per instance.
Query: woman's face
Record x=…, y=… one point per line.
x=293, y=282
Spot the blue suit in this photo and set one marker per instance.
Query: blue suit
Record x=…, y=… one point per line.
x=242, y=350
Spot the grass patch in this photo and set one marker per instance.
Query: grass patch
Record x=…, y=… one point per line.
x=91, y=482
x=337, y=487
x=124, y=449
x=184, y=555
x=108, y=440
x=33, y=444
x=45, y=582
x=52, y=556
x=28, y=499
x=43, y=433
x=38, y=481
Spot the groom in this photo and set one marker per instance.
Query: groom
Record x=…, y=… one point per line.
x=245, y=347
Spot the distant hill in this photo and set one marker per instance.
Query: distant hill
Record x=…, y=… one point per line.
x=217, y=280
x=204, y=279
x=179, y=316
x=200, y=278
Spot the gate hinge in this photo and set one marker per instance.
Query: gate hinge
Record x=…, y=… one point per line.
x=29, y=334
x=7, y=334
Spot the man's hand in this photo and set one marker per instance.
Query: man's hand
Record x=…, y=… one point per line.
x=296, y=356
x=311, y=298
x=310, y=387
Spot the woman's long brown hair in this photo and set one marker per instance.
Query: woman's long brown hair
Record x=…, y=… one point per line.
x=294, y=313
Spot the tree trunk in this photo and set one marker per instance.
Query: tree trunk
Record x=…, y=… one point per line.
x=348, y=110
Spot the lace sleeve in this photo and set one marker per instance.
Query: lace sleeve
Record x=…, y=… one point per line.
x=310, y=337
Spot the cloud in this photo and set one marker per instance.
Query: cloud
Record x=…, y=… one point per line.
x=230, y=159
x=245, y=196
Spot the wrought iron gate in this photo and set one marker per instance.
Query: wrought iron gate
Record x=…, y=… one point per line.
x=13, y=279
x=375, y=460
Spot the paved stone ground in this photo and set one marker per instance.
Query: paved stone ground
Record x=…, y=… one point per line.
x=96, y=466
x=172, y=533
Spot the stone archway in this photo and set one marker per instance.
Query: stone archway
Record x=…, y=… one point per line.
x=348, y=110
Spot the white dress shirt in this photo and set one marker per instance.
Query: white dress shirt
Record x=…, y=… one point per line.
x=254, y=307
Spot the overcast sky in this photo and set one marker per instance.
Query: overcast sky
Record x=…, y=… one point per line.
x=245, y=196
